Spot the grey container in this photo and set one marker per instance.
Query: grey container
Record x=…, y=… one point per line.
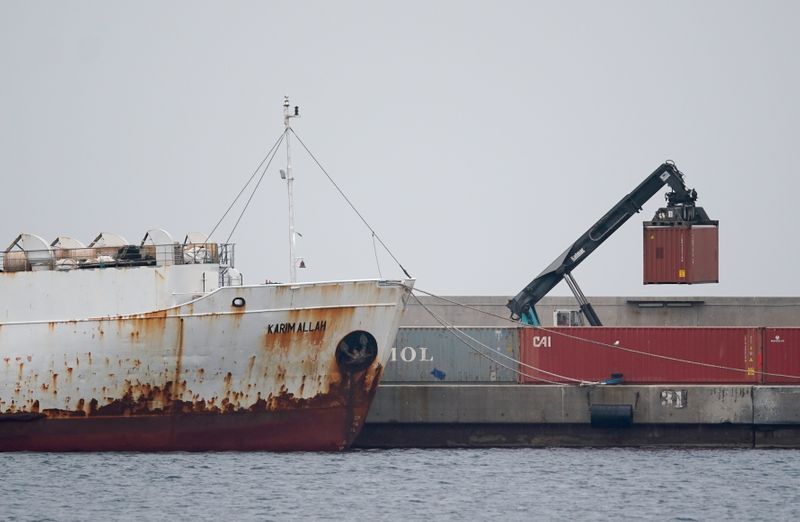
x=436, y=355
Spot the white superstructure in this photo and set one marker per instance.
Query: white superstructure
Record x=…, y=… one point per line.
x=69, y=281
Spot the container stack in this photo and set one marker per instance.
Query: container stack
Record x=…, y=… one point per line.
x=570, y=355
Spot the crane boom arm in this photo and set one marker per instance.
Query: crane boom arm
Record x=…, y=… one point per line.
x=680, y=201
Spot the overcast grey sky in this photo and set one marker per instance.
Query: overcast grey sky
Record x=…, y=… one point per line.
x=479, y=138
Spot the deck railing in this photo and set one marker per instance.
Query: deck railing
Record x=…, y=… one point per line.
x=18, y=260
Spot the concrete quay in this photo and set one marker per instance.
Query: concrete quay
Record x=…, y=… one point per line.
x=511, y=415
x=616, y=311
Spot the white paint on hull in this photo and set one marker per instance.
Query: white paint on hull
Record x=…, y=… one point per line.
x=205, y=352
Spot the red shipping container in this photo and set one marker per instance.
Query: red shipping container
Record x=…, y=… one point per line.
x=641, y=355
x=782, y=356
x=681, y=254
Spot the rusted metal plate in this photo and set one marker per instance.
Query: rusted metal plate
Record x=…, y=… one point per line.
x=328, y=423
x=248, y=373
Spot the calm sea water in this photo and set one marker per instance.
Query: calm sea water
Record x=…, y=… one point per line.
x=484, y=484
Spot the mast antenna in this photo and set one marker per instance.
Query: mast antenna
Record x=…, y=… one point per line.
x=293, y=260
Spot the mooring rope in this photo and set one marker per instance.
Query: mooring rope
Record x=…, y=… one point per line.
x=451, y=328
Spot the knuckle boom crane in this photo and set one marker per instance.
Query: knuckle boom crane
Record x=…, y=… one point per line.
x=680, y=211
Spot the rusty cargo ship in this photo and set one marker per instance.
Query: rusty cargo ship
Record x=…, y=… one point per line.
x=158, y=346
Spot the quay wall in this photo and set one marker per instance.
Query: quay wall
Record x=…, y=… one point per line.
x=510, y=415
x=438, y=392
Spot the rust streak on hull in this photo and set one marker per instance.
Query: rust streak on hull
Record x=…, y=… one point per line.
x=326, y=422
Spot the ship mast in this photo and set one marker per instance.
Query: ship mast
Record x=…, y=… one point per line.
x=289, y=181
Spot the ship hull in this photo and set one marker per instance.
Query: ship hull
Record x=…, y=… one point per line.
x=243, y=368
x=319, y=429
